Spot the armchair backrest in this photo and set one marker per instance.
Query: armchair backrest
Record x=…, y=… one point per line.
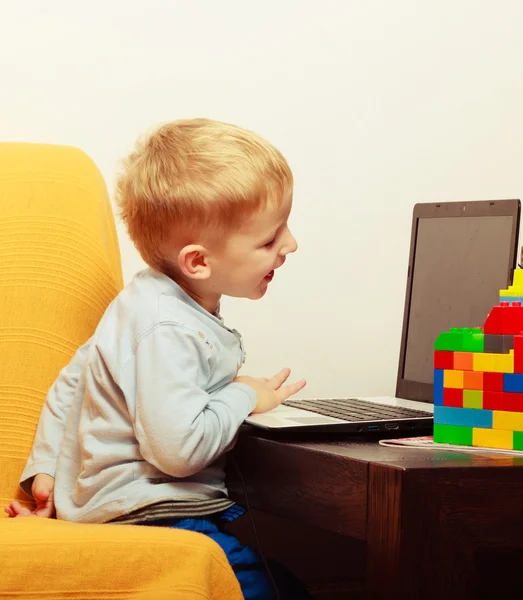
x=59, y=270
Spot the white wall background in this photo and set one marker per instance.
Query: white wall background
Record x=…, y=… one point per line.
x=377, y=104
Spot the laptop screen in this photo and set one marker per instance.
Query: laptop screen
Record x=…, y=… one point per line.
x=460, y=259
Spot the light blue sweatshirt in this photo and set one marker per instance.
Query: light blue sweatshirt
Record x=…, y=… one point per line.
x=145, y=410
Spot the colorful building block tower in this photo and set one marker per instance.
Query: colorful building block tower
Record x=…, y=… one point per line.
x=478, y=378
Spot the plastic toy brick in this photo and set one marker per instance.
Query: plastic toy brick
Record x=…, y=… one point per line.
x=463, y=361
x=494, y=322
x=518, y=440
x=453, y=379
x=450, y=434
x=508, y=343
x=493, y=400
x=496, y=363
x=473, y=380
x=460, y=340
x=505, y=319
x=438, y=387
x=473, y=340
x=483, y=362
x=503, y=363
x=511, y=299
x=513, y=382
x=499, y=344
x=518, y=354
x=511, y=402
x=493, y=343
x=450, y=340
x=464, y=417
x=513, y=319
x=472, y=399
x=453, y=397
x=443, y=359
x=492, y=438
x=516, y=289
x=493, y=382
x=506, y=420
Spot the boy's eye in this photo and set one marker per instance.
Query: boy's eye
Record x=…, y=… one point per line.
x=270, y=244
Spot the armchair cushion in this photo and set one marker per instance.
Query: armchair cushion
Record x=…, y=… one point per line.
x=45, y=558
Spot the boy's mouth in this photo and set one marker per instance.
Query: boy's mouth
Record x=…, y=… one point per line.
x=269, y=276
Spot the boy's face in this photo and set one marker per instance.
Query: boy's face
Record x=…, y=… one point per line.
x=246, y=264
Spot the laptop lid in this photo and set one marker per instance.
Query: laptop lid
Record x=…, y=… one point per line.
x=461, y=255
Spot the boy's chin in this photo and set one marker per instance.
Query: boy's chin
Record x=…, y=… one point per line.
x=258, y=293
x=254, y=294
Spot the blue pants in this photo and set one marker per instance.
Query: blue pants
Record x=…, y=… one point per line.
x=246, y=564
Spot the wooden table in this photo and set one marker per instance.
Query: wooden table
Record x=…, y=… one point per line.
x=437, y=524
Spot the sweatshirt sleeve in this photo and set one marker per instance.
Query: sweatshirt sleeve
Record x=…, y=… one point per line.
x=51, y=426
x=179, y=426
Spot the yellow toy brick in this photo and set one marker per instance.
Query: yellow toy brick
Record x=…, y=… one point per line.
x=503, y=363
x=492, y=438
x=516, y=289
x=510, y=421
x=453, y=379
x=483, y=362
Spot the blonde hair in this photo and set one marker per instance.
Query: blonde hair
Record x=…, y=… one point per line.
x=191, y=176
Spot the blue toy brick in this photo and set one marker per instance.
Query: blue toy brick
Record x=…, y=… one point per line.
x=463, y=417
x=438, y=387
x=511, y=299
x=513, y=382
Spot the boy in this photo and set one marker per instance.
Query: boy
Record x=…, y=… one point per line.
x=136, y=427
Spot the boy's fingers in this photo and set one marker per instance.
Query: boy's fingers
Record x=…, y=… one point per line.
x=18, y=510
x=15, y=506
x=41, y=493
x=276, y=381
x=45, y=511
x=291, y=389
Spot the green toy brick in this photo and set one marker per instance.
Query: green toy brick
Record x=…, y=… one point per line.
x=473, y=340
x=450, y=340
x=461, y=340
x=518, y=440
x=452, y=434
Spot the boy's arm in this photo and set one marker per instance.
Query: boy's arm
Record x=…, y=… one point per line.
x=180, y=427
x=51, y=426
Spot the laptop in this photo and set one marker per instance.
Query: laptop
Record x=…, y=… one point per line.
x=461, y=255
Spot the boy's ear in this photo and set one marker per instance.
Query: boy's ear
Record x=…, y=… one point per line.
x=193, y=262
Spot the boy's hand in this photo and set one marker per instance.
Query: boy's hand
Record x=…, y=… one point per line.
x=42, y=489
x=270, y=392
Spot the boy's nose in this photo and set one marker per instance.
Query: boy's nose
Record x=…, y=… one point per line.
x=291, y=245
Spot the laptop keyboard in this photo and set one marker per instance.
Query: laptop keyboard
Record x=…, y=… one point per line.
x=356, y=410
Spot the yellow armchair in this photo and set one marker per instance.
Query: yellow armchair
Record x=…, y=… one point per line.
x=59, y=269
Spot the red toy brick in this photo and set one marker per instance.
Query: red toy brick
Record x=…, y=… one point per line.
x=453, y=397
x=493, y=382
x=513, y=402
x=494, y=322
x=443, y=359
x=493, y=400
x=518, y=354
x=505, y=319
